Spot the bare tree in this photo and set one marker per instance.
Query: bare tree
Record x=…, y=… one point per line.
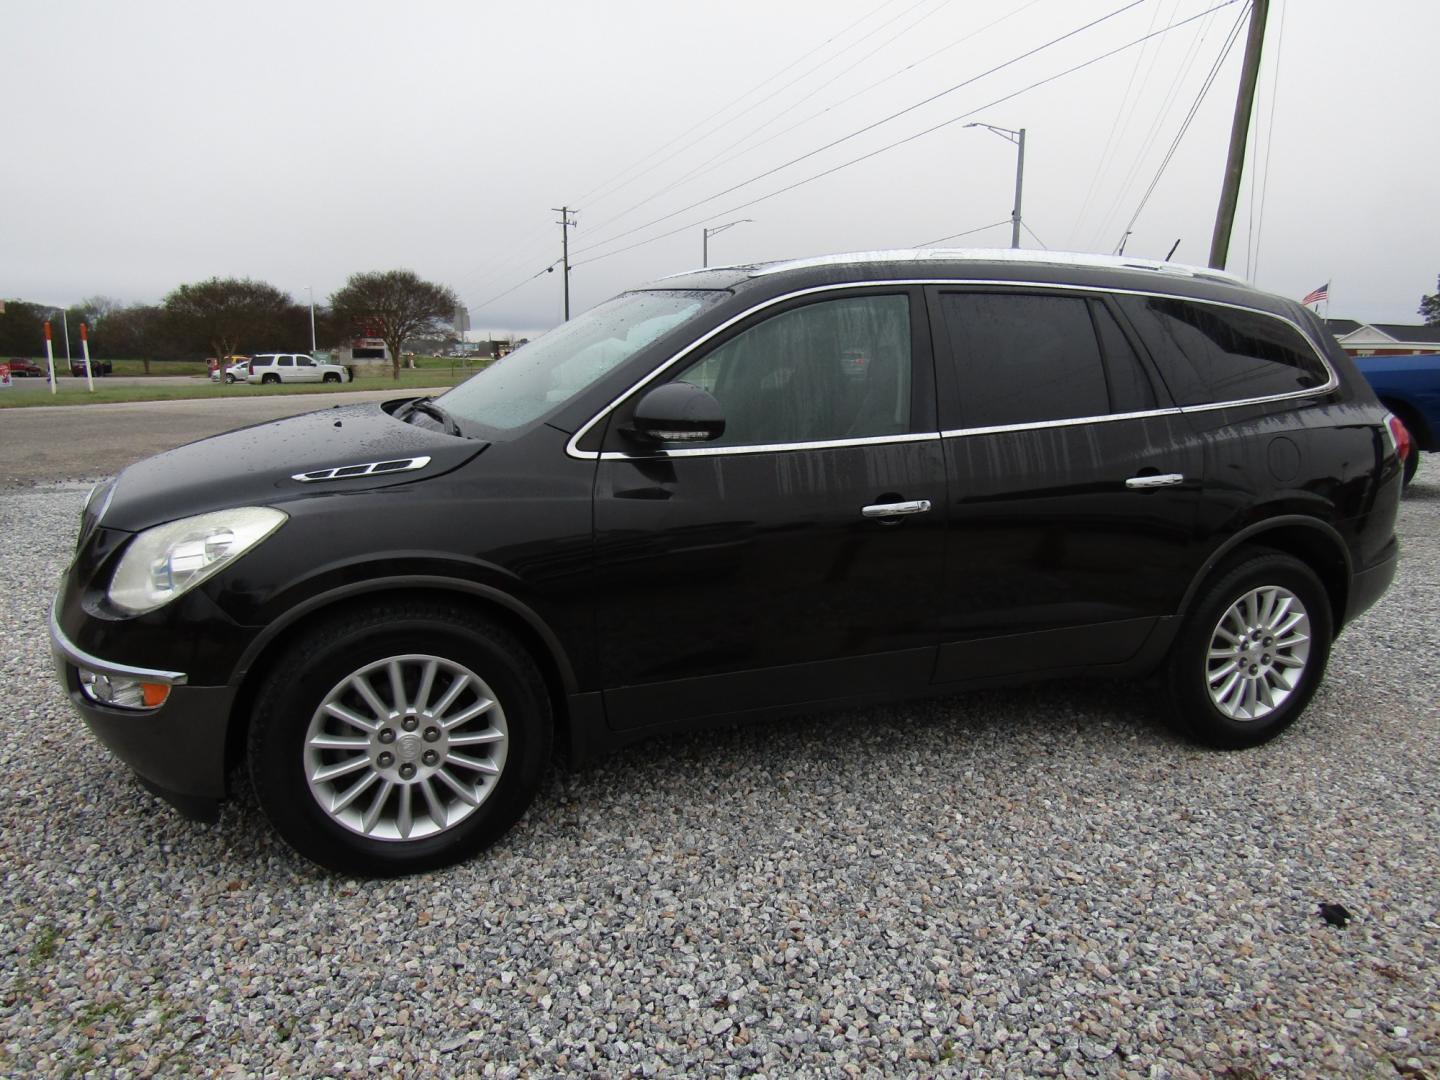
x=394, y=305
x=99, y=308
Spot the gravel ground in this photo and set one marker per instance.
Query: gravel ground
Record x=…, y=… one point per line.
x=1021, y=883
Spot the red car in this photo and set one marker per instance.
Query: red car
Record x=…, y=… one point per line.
x=19, y=368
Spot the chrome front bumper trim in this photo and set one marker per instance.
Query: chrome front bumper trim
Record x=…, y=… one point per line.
x=64, y=647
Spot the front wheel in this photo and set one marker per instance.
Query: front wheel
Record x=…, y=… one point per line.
x=229, y=378
x=1251, y=653
x=331, y=377
x=400, y=739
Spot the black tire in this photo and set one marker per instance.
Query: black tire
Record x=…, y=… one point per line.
x=290, y=701
x=330, y=377
x=229, y=378
x=1191, y=668
x=1412, y=465
x=270, y=378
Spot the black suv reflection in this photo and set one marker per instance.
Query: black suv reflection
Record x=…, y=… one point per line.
x=736, y=493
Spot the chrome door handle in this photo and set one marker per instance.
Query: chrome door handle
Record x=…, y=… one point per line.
x=1158, y=481
x=885, y=510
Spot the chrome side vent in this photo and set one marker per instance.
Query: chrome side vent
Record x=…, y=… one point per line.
x=371, y=468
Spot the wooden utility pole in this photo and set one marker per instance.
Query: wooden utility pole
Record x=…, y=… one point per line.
x=565, y=226
x=1239, y=136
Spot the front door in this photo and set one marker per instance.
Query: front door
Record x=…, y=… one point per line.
x=798, y=557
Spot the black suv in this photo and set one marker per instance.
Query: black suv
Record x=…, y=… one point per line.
x=736, y=493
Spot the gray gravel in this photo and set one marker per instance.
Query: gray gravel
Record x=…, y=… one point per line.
x=1021, y=883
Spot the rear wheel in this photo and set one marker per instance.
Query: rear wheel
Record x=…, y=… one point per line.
x=1251, y=653
x=270, y=378
x=400, y=739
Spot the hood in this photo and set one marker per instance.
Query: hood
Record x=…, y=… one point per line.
x=257, y=466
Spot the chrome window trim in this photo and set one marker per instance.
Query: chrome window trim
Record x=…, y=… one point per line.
x=572, y=447
x=1069, y=421
x=81, y=659
x=769, y=448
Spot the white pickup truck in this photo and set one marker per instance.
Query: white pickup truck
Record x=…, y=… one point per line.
x=293, y=368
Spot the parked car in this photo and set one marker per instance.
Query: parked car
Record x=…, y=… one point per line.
x=692, y=505
x=97, y=367
x=25, y=369
x=1409, y=386
x=293, y=368
x=239, y=371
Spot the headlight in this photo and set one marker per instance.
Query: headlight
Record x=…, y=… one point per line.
x=168, y=560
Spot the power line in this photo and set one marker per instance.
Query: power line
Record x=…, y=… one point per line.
x=595, y=194
x=1189, y=118
x=495, y=268
x=893, y=75
x=967, y=232
x=1037, y=239
x=756, y=130
x=871, y=126
x=500, y=296
x=1125, y=100
x=919, y=134
x=1269, y=137
x=1156, y=127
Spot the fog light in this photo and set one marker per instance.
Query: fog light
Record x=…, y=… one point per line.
x=120, y=693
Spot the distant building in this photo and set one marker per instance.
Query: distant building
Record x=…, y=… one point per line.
x=1384, y=339
x=363, y=351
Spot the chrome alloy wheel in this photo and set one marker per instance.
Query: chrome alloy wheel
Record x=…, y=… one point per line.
x=1258, y=652
x=406, y=747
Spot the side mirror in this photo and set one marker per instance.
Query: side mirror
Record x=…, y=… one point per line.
x=677, y=412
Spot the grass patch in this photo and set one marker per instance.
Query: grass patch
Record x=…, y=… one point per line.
x=73, y=391
x=46, y=942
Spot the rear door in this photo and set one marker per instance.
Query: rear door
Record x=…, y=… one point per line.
x=778, y=564
x=1074, y=483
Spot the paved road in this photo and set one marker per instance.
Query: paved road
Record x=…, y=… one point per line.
x=64, y=442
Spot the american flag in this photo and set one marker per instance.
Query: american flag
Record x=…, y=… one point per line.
x=1316, y=295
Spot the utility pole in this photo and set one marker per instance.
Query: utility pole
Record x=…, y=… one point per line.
x=705, y=235
x=1239, y=136
x=1018, y=138
x=565, y=226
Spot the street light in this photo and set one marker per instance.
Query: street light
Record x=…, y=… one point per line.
x=707, y=233
x=1018, y=138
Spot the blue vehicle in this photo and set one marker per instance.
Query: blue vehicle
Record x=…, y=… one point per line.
x=1409, y=385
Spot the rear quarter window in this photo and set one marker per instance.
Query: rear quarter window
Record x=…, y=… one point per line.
x=1211, y=354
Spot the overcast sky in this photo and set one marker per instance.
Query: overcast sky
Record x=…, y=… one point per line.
x=153, y=143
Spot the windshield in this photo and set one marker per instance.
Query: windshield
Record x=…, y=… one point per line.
x=551, y=370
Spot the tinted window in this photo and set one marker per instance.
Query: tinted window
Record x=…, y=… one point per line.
x=1130, y=389
x=838, y=369
x=1024, y=359
x=286, y=361
x=305, y=361
x=1210, y=353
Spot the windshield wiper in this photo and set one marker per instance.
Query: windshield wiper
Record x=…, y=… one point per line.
x=427, y=406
